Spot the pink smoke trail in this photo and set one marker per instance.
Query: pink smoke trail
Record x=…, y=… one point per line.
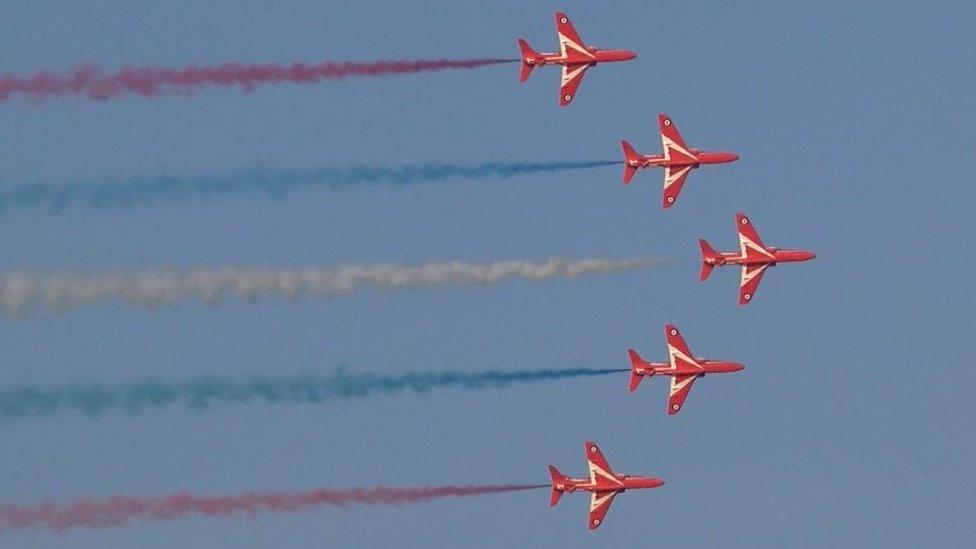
x=149, y=82
x=122, y=510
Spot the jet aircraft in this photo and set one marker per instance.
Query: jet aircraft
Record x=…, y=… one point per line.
x=603, y=484
x=683, y=367
x=678, y=160
x=754, y=256
x=574, y=56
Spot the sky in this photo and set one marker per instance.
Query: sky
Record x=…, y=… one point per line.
x=851, y=424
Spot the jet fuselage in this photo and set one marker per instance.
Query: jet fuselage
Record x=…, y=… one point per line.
x=599, y=56
x=624, y=483
x=777, y=255
x=707, y=367
x=701, y=157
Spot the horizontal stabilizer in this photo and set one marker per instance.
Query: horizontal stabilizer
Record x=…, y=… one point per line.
x=707, y=251
x=528, y=54
x=709, y=258
x=557, y=478
x=638, y=369
x=630, y=159
x=554, y=497
x=528, y=57
x=706, y=269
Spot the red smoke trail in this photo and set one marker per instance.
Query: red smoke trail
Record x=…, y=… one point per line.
x=148, y=82
x=121, y=510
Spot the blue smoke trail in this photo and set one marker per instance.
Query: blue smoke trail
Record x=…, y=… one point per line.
x=257, y=182
x=200, y=394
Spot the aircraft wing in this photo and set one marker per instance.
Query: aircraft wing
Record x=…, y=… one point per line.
x=678, y=352
x=669, y=132
x=672, y=143
x=571, y=46
x=599, y=506
x=674, y=178
x=680, y=387
x=751, y=277
x=599, y=467
x=750, y=245
x=571, y=78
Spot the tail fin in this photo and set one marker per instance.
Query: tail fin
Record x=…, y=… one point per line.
x=528, y=55
x=708, y=256
x=557, y=478
x=638, y=369
x=630, y=160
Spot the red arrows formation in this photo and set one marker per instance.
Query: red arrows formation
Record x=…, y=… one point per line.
x=754, y=256
x=682, y=367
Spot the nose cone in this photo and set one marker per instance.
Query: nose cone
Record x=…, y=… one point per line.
x=644, y=482
x=795, y=255
x=724, y=367
x=619, y=55
x=717, y=157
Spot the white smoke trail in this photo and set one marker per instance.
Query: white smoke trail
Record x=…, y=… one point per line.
x=25, y=291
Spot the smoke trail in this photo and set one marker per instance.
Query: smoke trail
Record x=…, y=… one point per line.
x=22, y=291
x=200, y=394
x=257, y=182
x=122, y=510
x=149, y=82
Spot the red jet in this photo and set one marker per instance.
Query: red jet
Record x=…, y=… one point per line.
x=754, y=256
x=574, y=56
x=603, y=484
x=678, y=160
x=683, y=367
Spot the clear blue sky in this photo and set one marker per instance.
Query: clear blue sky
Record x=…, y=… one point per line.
x=852, y=424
